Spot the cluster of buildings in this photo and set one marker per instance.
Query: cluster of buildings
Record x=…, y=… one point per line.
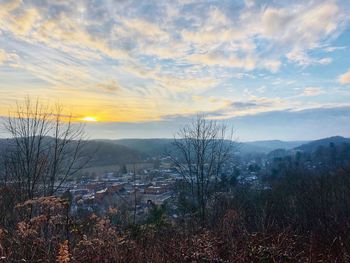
x=131, y=190
x=136, y=191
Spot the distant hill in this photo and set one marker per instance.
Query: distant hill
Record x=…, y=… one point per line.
x=249, y=148
x=278, y=153
x=277, y=144
x=312, y=146
x=268, y=146
x=159, y=147
x=149, y=147
x=111, y=152
x=105, y=153
x=102, y=153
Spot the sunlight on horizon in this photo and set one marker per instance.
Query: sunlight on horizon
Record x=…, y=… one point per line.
x=89, y=119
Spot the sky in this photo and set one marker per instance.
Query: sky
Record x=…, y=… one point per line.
x=142, y=69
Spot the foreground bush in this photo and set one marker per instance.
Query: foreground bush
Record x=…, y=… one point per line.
x=43, y=234
x=302, y=219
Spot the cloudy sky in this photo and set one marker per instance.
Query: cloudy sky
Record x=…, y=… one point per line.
x=274, y=69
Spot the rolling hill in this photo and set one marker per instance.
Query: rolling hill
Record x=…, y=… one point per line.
x=111, y=152
x=312, y=146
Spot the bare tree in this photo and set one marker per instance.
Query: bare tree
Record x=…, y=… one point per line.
x=202, y=150
x=44, y=148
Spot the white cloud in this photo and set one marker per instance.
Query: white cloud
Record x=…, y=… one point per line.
x=272, y=65
x=110, y=86
x=276, y=22
x=297, y=28
x=7, y=57
x=333, y=48
x=325, y=61
x=161, y=53
x=290, y=31
x=300, y=28
x=303, y=59
x=253, y=105
x=3, y=56
x=218, y=58
x=312, y=91
x=344, y=78
x=249, y=3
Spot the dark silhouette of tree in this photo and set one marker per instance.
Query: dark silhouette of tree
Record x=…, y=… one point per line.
x=123, y=169
x=45, y=148
x=203, y=148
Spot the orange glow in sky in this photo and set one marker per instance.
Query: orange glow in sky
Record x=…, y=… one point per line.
x=89, y=119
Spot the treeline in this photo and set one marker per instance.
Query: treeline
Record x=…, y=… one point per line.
x=320, y=159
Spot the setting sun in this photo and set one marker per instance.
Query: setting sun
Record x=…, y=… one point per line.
x=89, y=119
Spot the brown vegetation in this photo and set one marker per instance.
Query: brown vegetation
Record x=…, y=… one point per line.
x=44, y=232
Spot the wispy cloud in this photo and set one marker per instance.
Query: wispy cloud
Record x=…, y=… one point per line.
x=7, y=57
x=334, y=48
x=145, y=60
x=344, y=78
x=312, y=91
x=111, y=86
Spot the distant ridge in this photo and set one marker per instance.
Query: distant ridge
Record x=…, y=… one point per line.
x=269, y=145
x=312, y=146
x=156, y=147
x=110, y=152
x=151, y=147
x=102, y=152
